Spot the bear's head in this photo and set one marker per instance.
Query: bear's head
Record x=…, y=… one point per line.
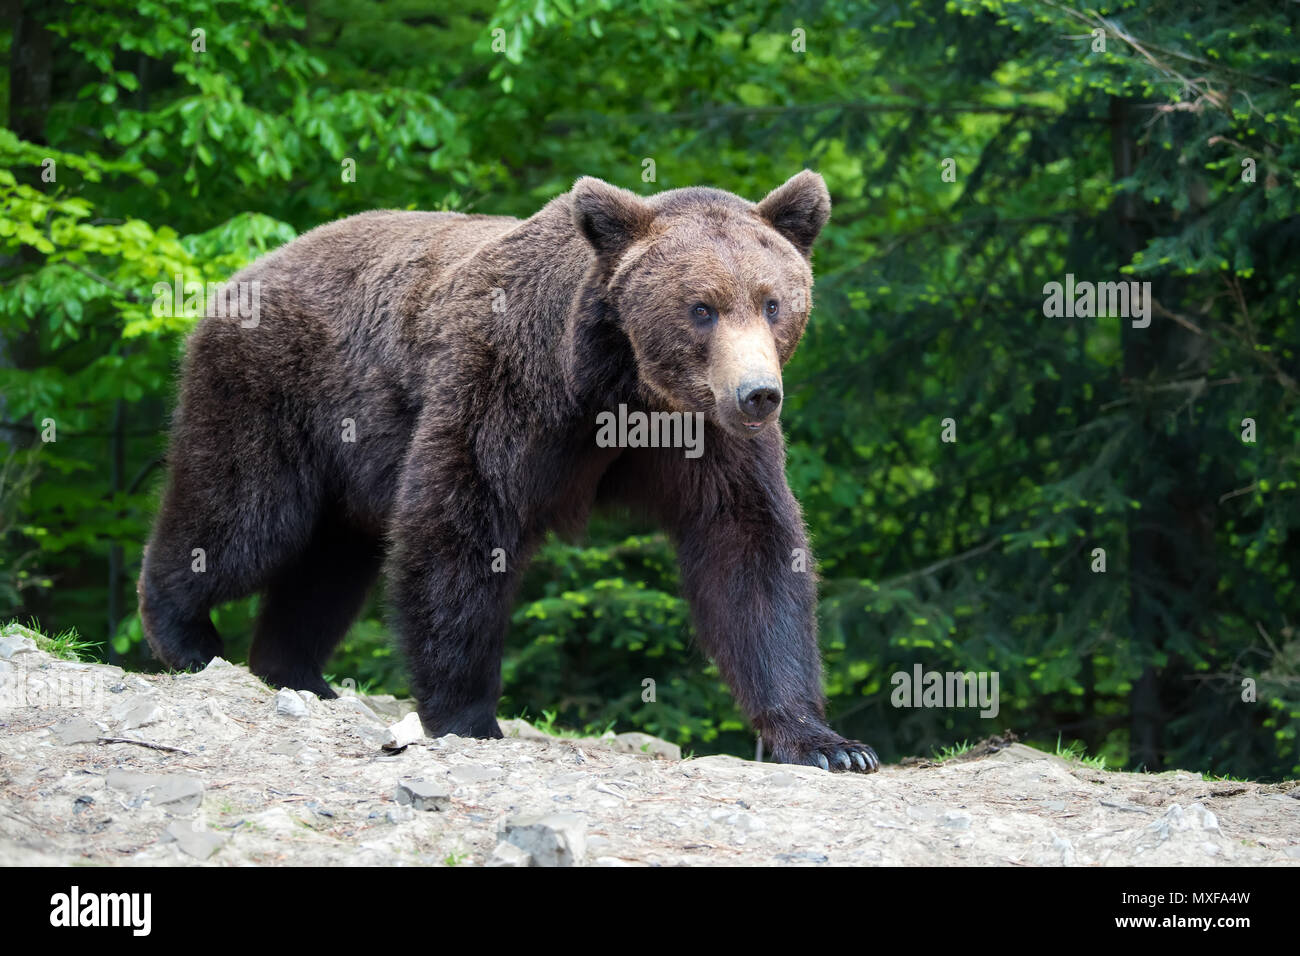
x=712, y=291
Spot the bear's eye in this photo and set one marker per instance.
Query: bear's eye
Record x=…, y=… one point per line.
x=704, y=314
x=772, y=308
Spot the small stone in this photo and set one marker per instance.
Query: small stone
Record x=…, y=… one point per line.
x=11, y=645
x=286, y=748
x=199, y=844
x=289, y=704
x=637, y=743
x=956, y=820
x=556, y=839
x=141, y=712
x=211, y=711
x=178, y=794
x=355, y=705
x=1056, y=806
x=404, y=733
x=420, y=795
x=174, y=793
x=76, y=730
x=218, y=665
x=522, y=730
x=389, y=706
x=507, y=854
x=400, y=815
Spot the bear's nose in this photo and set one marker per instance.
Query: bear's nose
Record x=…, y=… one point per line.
x=758, y=402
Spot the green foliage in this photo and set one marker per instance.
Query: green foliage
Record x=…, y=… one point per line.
x=67, y=645
x=1072, y=434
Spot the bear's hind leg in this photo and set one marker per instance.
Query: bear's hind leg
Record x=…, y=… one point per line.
x=309, y=605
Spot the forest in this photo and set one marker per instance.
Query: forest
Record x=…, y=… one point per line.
x=1043, y=423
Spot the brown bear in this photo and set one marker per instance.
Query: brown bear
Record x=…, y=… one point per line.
x=421, y=392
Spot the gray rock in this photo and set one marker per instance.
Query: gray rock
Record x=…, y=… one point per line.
x=636, y=743
x=140, y=712
x=213, y=721
x=556, y=839
x=289, y=704
x=178, y=794
x=199, y=844
x=287, y=748
x=388, y=706
x=421, y=795
x=956, y=820
x=131, y=783
x=13, y=644
x=356, y=706
x=404, y=733
x=219, y=665
x=175, y=793
x=76, y=730
x=522, y=730
x=507, y=854
x=400, y=815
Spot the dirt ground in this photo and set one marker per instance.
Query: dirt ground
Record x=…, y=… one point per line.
x=98, y=766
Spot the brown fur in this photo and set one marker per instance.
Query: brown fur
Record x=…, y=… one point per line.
x=475, y=431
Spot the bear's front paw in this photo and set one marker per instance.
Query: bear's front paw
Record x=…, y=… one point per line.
x=836, y=756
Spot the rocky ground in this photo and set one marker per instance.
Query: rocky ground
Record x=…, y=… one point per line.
x=98, y=766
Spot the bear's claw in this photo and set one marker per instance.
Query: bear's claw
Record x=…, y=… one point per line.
x=848, y=755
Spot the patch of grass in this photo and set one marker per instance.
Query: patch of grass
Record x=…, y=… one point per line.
x=942, y=754
x=547, y=726
x=1224, y=778
x=1077, y=752
x=454, y=859
x=363, y=689
x=66, y=645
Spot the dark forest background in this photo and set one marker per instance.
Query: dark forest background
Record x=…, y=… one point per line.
x=975, y=151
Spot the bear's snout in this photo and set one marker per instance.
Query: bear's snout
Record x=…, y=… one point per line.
x=758, y=402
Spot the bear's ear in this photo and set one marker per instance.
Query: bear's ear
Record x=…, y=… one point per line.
x=611, y=219
x=798, y=209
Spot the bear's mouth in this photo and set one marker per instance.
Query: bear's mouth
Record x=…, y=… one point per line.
x=753, y=426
